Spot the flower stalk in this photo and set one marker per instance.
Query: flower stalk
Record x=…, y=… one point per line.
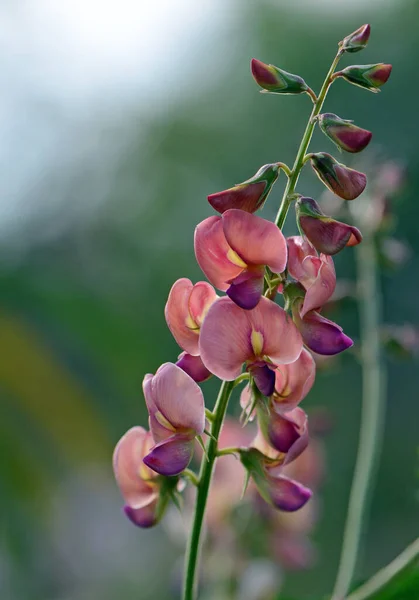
x=299, y=159
x=205, y=475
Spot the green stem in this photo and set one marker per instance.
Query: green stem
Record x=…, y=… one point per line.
x=299, y=160
x=372, y=418
x=205, y=475
x=380, y=579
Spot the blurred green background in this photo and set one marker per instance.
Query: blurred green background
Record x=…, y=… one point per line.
x=117, y=119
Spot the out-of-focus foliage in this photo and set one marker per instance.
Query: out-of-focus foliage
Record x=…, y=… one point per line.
x=85, y=272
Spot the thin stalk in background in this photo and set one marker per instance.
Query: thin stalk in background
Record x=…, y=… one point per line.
x=373, y=409
x=385, y=575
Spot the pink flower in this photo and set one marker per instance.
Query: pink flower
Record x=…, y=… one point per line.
x=287, y=432
x=138, y=484
x=261, y=338
x=185, y=311
x=176, y=414
x=292, y=383
x=275, y=488
x=315, y=273
x=232, y=250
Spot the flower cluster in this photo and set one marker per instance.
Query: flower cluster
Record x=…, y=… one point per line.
x=247, y=335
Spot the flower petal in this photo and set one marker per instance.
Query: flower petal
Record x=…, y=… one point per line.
x=177, y=312
x=225, y=339
x=281, y=340
x=288, y=432
x=243, y=196
x=200, y=299
x=247, y=288
x=214, y=255
x=194, y=367
x=323, y=286
x=264, y=378
x=298, y=248
x=256, y=240
x=130, y=472
x=328, y=235
x=178, y=399
x=293, y=382
x=287, y=494
x=142, y=517
x=171, y=456
x=323, y=336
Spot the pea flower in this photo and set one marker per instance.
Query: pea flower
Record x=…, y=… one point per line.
x=249, y=195
x=139, y=485
x=185, y=311
x=341, y=180
x=232, y=250
x=292, y=384
x=276, y=489
x=326, y=234
x=176, y=415
x=262, y=338
x=286, y=431
x=315, y=273
x=344, y=133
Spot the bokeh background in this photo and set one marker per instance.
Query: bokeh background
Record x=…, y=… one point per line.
x=117, y=118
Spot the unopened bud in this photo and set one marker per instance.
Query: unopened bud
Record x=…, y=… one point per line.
x=275, y=80
x=326, y=234
x=341, y=180
x=249, y=195
x=370, y=77
x=343, y=133
x=356, y=41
